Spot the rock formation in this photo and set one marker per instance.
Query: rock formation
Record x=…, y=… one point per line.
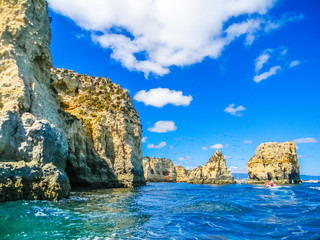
x=213, y=172
x=103, y=131
x=159, y=170
x=276, y=161
x=182, y=174
x=59, y=125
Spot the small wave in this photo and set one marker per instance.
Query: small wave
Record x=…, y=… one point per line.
x=154, y=234
x=316, y=188
x=40, y=214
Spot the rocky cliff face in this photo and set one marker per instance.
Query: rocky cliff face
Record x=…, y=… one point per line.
x=45, y=129
x=276, y=161
x=103, y=131
x=159, y=170
x=213, y=172
x=182, y=174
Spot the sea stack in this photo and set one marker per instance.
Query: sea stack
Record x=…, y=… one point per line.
x=56, y=126
x=274, y=161
x=213, y=172
x=182, y=174
x=159, y=170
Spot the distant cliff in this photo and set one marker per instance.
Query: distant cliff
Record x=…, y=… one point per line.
x=163, y=170
x=159, y=170
x=276, y=161
x=213, y=172
x=56, y=126
x=182, y=174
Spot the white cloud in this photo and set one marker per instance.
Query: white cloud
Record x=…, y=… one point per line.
x=306, y=140
x=184, y=158
x=227, y=157
x=166, y=32
x=235, y=169
x=204, y=148
x=247, y=141
x=163, y=127
x=159, y=97
x=144, y=139
x=217, y=146
x=294, y=63
x=262, y=59
x=285, y=19
x=249, y=27
x=234, y=111
x=160, y=145
x=265, y=75
x=171, y=147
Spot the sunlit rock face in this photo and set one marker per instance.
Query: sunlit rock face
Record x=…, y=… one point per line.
x=182, y=174
x=103, y=131
x=213, y=172
x=159, y=170
x=48, y=131
x=276, y=161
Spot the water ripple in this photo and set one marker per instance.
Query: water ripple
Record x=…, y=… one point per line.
x=169, y=211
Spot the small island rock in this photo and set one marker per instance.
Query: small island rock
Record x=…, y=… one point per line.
x=182, y=174
x=274, y=161
x=159, y=170
x=213, y=172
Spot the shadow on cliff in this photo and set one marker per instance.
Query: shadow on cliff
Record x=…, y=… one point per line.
x=85, y=168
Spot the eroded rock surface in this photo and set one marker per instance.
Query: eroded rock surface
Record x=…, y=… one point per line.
x=182, y=174
x=72, y=124
x=103, y=131
x=213, y=172
x=159, y=170
x=276, y=161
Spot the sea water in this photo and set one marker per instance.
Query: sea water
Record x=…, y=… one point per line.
x=170, y=211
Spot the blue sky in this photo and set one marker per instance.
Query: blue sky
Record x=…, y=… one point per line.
x=213, y=74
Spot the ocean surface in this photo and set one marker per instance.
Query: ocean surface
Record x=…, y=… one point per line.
x=170, y=211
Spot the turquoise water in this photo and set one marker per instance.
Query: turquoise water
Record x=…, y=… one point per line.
x=170, y=211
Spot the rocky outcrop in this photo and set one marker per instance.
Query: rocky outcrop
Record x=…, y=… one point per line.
x=103, y=131
x=182, y=174
x=59, y=125
x=159, y=170
x=276, y=161
x=213, y=172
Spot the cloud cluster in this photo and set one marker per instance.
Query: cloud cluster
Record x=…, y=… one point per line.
x=163, y=127
x=306, y=140
x=184, y=158
x=152, y=35
x=264, y=58
x=235, y=169
x=144, y=139
x=160, y=145
x=248, y=141
x=159, y=97
x=234, y=110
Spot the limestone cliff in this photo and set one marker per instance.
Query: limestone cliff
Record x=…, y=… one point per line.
x=103, y=131
x=276, y=161
x=159, y=170
x=213, y=172
x=44, y=129
x=182, y=174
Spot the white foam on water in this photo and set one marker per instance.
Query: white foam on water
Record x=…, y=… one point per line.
x=40, y=214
